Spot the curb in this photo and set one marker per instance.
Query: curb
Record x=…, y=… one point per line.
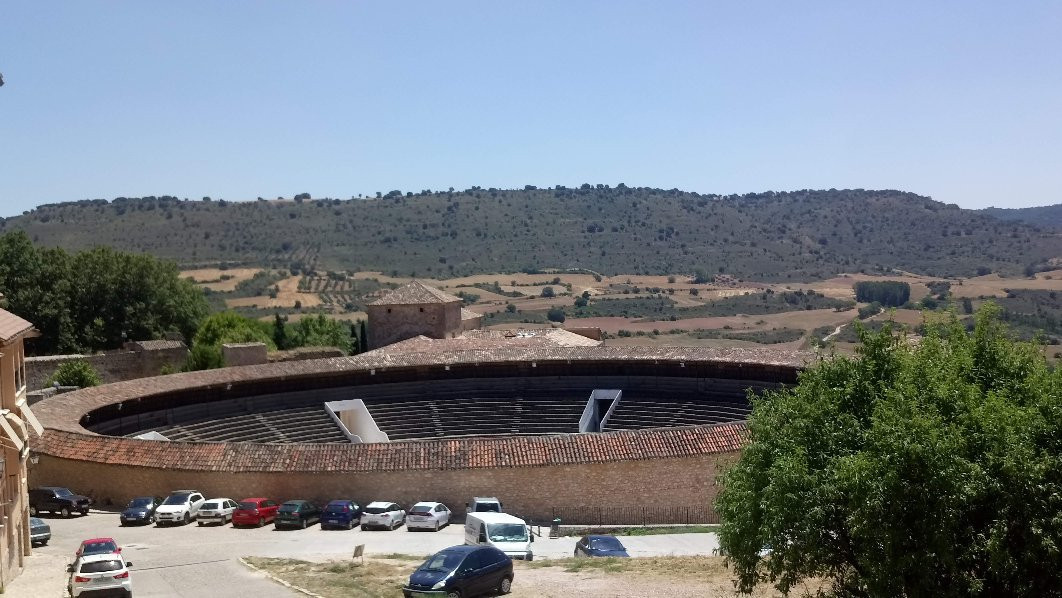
x=278, y=580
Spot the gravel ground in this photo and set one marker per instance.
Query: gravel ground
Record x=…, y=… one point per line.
x=203, y=561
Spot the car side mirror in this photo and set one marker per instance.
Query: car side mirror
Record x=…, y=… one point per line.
x=69, y=568
x=129, y=564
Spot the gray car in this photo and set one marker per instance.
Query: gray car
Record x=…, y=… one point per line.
x=40, y=532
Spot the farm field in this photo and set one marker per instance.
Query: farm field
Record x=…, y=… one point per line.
x=629, y=309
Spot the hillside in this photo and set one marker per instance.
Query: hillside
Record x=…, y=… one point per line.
x=1045, y=216
x=769, y=236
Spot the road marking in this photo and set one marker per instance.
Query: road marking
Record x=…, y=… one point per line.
x=181, y=565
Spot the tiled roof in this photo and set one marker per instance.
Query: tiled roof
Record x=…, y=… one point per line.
x=482, y=340
x=468, y=314
x=440, y=454
x=12, y=326
x=67, y=438
x=414, y=293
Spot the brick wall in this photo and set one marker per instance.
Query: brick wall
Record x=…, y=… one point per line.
x=531, y=492
x=112, y=367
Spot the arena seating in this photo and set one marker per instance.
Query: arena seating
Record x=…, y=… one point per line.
x=452, y=408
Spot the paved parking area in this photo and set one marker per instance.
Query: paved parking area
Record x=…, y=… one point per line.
x=203, y=561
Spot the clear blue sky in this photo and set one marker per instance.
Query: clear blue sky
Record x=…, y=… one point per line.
x=961, y=101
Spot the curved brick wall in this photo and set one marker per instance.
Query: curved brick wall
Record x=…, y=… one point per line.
x=676, y=466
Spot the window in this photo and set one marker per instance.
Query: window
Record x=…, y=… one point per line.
x=101, y=566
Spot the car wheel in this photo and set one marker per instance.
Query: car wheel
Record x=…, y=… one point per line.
x=506, y=585
x=84, y=511
x=575, y=553
x=152, y=519
x=199, y=523
x=187, y=519
x=261, y=521
x=302, y=524
x=44, y=542
x=453, y=594
x=65, y=512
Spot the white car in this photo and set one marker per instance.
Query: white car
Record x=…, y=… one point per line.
x=427, y=515
x=216, y=510
x=98, y=574
x=181, y=506
x=387, y=515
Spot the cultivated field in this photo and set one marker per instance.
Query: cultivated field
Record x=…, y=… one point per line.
x=220, y=280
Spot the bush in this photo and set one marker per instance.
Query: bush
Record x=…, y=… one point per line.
x=548, y=292
x=555, y=315
x=75, y=373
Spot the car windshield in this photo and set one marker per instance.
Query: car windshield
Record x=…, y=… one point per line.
x=289, y=508
x=507, y=532
x=375, y=510
x=139, y=503
x=443, y=561
x=101, y=566
x=250, y=506
x=606, y=544
x=63, y=492
x=176, y=499
x=99, y=548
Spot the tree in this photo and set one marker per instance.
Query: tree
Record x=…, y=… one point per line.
x=555, y=314
x=221, y=328
x=280, y=332
x=321, y=331
x=580, y=301
x=890, y=293
x=75, y=373
x=910, y=471
x=548, y=292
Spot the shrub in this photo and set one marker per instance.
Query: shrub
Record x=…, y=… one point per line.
x=75, y=373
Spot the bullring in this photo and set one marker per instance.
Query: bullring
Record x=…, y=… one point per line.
x=540, y=474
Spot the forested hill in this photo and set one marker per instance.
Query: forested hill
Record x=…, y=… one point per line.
x=1045, y=216
x=765, y=236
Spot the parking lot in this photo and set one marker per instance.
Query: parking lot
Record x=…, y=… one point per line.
x=203, y=561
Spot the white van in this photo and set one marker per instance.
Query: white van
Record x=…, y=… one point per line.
x=503, y=531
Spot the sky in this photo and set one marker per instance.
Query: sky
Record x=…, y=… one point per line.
x=960, y=101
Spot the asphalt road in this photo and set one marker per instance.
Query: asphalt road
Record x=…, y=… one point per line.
x=197, y=561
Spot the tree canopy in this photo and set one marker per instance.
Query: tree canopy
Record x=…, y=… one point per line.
x=221, y=328
x=95, y=299
x=928, y=470
x=890, y=293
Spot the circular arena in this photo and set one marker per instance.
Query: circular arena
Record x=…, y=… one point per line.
x=505, y=422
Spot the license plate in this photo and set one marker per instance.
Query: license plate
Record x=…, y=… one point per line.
x=333, y=521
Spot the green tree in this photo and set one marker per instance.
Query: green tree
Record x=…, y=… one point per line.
x=75, y=373
x=280, y=332
x=222, y=328
x=933, y=470
x=548, y=292
x=320, y=331
x=555, y=314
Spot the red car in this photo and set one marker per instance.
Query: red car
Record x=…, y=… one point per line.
x=98, y=546
x=255, y=511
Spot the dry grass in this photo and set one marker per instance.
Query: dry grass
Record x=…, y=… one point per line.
x=288, y=295
x=210, y=278
x=653, y=576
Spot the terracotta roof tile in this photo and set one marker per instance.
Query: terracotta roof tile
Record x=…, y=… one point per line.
x=12, y=326
x=414, y=293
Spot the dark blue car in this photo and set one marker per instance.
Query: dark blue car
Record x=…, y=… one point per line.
x=600, y=546
x=140, y=510
x=462, y=572
x=341, y=514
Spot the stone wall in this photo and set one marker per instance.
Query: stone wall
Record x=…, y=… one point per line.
x=112, y=367
x=531, y=492
x=237, y=354
x=389, y=324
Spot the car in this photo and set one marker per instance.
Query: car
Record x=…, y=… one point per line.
x=462, y=572
x=427, y=515
x=181, y=506
x=97, y=546
x=216, y=510
x=55, y=499
x=140, y=510
x=255, y=511
x=40, y=532
x=297, y=513
x=600, y=545
x=382, y=514
x=100, y=575
x=484, y=504
x=341, y=514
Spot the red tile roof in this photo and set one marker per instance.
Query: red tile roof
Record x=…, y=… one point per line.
x=12, y=326
x=67, y=438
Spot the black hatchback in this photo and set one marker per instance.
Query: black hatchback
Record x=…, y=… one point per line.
x=462, y=572
x=297, y=513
